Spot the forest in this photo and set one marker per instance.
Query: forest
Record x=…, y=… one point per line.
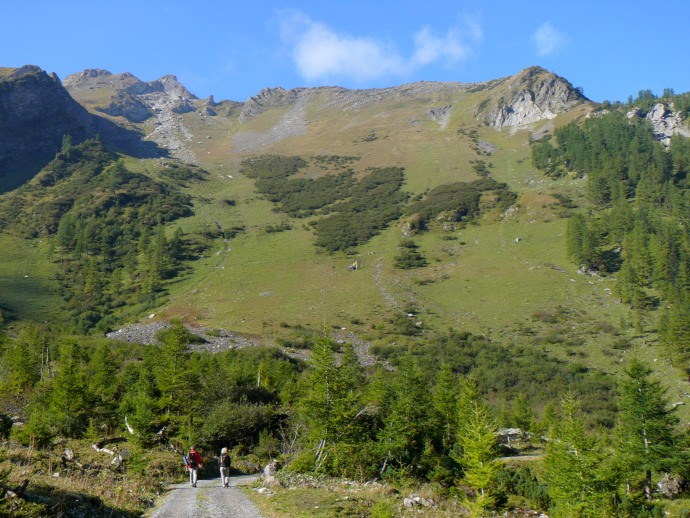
x=433, y=419
x=640, y=216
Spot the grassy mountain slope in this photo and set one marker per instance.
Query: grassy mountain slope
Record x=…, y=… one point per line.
x=436, y=132
x=396, y=131
x=502, y=274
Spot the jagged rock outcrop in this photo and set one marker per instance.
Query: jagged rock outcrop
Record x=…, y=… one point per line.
x=335, y=97
x=207, y=108
x=137, y=101
x=531, y=96
x=666, y=123
x=96, y=78
x=440, y=115
x=269, y=98
x=130, y=97
x=36, y=112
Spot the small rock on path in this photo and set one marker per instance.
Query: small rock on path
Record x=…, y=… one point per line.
x=208, y=500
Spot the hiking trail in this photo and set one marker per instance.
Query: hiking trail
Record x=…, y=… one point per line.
x=209, y=499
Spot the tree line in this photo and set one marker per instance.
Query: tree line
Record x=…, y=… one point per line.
x=334, y=417
x=639, y=221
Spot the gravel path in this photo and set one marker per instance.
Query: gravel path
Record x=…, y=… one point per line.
x=208, y=500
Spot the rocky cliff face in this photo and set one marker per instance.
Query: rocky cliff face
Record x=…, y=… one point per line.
x=532, y=95
x=36, y=112
x=269, y=98
x=123, y=95
x=665, y=123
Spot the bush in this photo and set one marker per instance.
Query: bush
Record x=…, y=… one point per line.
x=409, y=259
x=229, y=423
x=36, y=431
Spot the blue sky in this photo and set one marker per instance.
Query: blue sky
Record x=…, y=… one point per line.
x=233, y=49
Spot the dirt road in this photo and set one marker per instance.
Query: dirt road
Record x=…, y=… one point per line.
x=208, y=500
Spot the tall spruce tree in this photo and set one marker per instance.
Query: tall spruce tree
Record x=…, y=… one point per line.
x=575, y=467
x=69, y=397
x=479, y=442
x=405, y=430
x=645, y=434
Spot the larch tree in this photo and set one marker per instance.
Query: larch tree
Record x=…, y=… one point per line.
x=479, y=441
x=578, y=484
x=645, y=434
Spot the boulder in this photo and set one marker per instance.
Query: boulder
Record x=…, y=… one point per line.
x=671, y=487
x=269, y=476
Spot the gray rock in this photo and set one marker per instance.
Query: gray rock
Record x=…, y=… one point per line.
x=666, y=123
x=671, y=487
x=269, y=476
x=531, y=96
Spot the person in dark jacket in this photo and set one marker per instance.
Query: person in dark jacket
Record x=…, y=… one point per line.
x=225, y=467
x=194, y=464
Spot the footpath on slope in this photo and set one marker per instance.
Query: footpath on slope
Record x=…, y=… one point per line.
x=209, y=500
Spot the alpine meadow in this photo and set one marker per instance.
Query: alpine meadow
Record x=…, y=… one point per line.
x=435, y=299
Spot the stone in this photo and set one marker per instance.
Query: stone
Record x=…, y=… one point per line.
x=533, y=95
x=666, y=123
x=269, y=475
x=671, y=487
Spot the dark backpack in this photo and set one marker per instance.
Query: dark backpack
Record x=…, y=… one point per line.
x=191, y=461
x=225, y=460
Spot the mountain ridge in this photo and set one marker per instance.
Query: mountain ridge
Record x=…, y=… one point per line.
x=438, y=134
x=37, y=113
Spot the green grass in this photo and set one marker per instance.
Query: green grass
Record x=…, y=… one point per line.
x=333, y=499
x=27, y=280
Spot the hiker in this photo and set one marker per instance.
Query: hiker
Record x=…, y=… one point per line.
x=225, y=467
x=194, y=464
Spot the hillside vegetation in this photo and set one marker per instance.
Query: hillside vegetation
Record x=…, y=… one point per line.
x=423, y=265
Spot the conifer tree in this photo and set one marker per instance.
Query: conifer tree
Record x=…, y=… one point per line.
x=69, y=397
x=317, y=403
x=22, y=362
x=469, y=395
x=445, y=404
x=523, y=416
x=332, y=401
x=171, y=367
x=574, y=465
x=405, y=428
x=102, y=384
x=478, y=459
x=645, y=434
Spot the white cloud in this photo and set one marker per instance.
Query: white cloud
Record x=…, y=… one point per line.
x=319, y=52
x=548, y=40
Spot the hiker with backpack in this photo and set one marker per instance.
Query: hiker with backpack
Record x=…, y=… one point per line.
x=225, y=467
x=194, y=464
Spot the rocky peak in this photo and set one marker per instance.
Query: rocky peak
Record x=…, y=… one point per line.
x=532, y=95
x=24, y=71
x=37, y=112
x=174, y=88
x=95, y=79
x=129, y=97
